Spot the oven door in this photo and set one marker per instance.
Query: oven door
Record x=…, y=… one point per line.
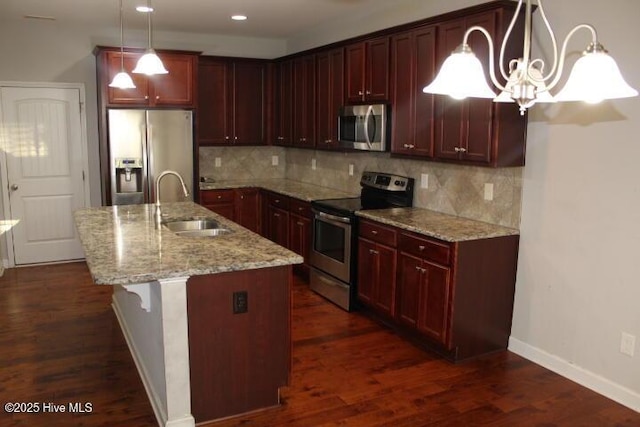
x=331, y=248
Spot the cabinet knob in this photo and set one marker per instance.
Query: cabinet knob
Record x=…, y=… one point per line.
x=327, y=141
x=276, y=214
x=146, y=97
x=460, y=149
x=421, y=247
x=420, y=269
x=300, y=223
x=409, y=146
x=219, y=197
x=373, y=252
x=157, y=96
x=360, y=93
x=226, y=137
x=368, y=92
x=300, y=209
x=374, y=232
x=242, y=197
x=235, y=138
x=280, y=138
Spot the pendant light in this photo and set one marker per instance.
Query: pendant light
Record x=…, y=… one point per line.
x=150, y=63
x=594, y=77
x=122, y=80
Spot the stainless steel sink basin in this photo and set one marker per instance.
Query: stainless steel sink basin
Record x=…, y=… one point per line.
x=197, y=228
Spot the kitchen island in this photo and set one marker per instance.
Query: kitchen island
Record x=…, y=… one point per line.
x=207, y=319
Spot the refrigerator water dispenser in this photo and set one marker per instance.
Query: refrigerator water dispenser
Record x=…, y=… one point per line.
x=128, y=180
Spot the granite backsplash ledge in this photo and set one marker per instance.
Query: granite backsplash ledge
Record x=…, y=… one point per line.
x=452, y=189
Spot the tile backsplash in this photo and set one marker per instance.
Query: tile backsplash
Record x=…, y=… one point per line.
x=452, y=189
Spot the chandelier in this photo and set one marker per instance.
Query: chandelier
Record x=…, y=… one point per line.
x=595, y=75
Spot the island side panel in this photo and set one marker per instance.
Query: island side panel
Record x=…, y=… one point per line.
x=238, y=361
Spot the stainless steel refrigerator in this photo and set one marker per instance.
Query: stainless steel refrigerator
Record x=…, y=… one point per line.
x=143, y=144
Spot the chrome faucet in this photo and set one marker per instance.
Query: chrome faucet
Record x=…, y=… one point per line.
x=184, y=190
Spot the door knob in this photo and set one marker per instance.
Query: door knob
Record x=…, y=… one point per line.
x=14, y=187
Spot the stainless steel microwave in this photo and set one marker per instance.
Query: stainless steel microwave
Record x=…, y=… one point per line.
x=363, y=127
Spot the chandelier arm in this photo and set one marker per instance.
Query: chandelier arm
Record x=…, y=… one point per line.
x=506, y=39
x=561, y=63
x=553, y=42
x=492, y=73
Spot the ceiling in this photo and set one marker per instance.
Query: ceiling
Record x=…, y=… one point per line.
x=267, y=18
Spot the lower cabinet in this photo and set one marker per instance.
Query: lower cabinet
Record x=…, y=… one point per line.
x=287, y=222
x=455, y=298
x=241, y=205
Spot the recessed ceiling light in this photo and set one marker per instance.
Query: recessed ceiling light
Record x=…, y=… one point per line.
x=239, y=17
x=144, y=9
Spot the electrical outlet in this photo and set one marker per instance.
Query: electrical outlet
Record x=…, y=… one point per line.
x=351, y=169
x=424, y=180
x=488, y=191
x=314, y=164
x=627, y=344
x=274, y=160
x=240, y=302
x=218, y=161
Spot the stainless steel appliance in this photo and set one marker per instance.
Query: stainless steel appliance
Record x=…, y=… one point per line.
x=363, y=127
x=142, y=144
x=334, y=251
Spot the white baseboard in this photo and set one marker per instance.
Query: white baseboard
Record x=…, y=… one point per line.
x=586, y=378
x=157, y=409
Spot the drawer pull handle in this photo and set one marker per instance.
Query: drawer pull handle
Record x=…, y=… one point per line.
x=300, y=223
x=420, y=269
x=373, y=252
x=276, y=214
x=219, y=197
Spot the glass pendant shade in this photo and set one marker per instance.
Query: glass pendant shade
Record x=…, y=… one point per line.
x=150, y=64
x=122, y=80
x=461, y=76
x=595, y=77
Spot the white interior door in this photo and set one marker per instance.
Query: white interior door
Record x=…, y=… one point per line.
x=42, y=133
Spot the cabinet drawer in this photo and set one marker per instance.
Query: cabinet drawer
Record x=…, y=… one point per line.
x=210, y=197
x=278, y=201
x=378, y=233
x=425, y=248
x=299, y=207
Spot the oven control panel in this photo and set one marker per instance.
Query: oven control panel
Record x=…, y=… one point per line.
x=386, y=181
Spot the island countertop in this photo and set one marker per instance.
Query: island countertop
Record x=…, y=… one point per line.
x=123, y=246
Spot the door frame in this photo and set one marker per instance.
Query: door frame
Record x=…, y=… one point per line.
x=8, y=250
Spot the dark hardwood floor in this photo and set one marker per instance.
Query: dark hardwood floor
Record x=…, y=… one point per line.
x=60, y=343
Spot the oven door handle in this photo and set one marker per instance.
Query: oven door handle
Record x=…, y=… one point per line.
x=329, y=217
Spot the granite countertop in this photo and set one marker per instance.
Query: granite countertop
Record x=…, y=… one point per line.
x=436, y=224
x=123, y=246
x=287, y=187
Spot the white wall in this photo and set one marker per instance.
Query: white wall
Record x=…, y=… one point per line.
x=578, y=280
x=45, y=51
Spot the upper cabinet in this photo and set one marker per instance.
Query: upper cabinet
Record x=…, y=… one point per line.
x=283, y=103
x=175, y=89
x=231, y=102
x=330, y=96
x=304, y=96
x=479, y=131
x=413, y=61
x=367, y=71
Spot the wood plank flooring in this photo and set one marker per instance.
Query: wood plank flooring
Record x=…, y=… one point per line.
x=60, y=342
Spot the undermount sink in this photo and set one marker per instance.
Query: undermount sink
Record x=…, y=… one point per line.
x=197, y=228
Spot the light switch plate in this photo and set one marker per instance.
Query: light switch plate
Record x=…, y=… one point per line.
x=488, y=191
x=274, y=160
x=314, y=164
x=424, y=180
x=218, y=162
x=627, y=344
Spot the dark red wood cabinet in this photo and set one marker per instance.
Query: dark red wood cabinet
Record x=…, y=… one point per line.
x=283, y=103
x=413, y=61
x=241, y=205
x=304, y=105
x=177, y=88
x=231, y=102
x=479, y=131
x=330, y=96
x=455, y=298
x=367, y=71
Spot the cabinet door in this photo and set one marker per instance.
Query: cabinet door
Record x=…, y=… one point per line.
x=377, y=70
x=330, y=96
x=247, y=208
x=248, y=103
x=424, y=104
x=403, y=94
x=385, y=283
x=284, y=99
x=304, y=101
x=213, y=103
x=408, y=286
x=367, y=270
x=279, y=226
x=137, y=96
x=300, y=235
x=354, y=72
x=175, y=88
x=433, y=319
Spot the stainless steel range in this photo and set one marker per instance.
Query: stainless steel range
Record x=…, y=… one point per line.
x=335, y=234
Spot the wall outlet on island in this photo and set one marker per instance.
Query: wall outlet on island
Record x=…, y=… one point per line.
x=274, y=160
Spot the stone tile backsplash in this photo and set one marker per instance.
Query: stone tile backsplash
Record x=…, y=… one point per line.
x=453, y=189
